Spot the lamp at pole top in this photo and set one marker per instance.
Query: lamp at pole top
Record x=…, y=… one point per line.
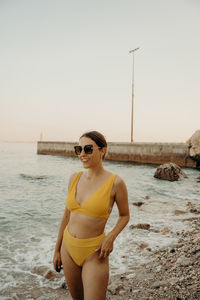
x=134, y=50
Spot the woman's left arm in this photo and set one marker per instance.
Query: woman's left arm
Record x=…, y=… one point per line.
x=121, y=199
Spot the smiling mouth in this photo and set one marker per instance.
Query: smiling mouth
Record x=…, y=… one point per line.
x=84, y=160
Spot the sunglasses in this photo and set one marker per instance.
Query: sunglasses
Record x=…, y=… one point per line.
x=88, y=149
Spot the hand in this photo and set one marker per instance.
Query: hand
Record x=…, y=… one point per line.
x=57, y=263
x=106, y=246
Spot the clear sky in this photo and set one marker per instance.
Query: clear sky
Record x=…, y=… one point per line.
x=65, y=68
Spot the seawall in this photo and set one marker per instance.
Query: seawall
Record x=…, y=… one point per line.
x=145, y=153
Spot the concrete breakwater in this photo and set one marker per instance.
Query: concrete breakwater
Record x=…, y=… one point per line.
x=145, y=153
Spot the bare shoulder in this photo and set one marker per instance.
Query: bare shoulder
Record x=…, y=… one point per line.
x=119, y=184
x=121, y=195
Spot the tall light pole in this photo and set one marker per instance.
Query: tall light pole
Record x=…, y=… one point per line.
x=132, y=110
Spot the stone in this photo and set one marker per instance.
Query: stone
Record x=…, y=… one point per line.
x=41, y=270
x=196, y=251
x=140, y=226
x=172, y=250
x=170, y=171
x=138, y=203
x=158, y=268
x=64, y=286
x=158, y=284
x=165, y=230
x=114, y=288
x=173, y=280
x=193, y=208
x=51, y=275
x=184, y=261
x=149, y=249
x=143, y=245
x=45, y=272
x=191, y=219
x=194, y=146
x=179, y=212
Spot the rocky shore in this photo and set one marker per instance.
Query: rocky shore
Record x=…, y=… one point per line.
x=170, y=273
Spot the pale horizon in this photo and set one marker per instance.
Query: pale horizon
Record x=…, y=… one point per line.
x=65, y=69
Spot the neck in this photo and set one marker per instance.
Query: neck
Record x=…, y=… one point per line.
x=95, y=171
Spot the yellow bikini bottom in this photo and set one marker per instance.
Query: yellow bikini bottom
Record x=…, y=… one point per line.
x=80, y=249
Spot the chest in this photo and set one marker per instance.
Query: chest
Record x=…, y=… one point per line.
x=94, y=192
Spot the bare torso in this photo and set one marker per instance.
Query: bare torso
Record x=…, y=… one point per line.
x=81, y=225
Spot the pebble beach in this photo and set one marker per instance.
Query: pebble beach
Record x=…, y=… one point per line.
x=157, y=256
x=171, y=273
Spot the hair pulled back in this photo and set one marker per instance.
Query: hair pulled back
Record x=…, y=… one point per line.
x=97, y=137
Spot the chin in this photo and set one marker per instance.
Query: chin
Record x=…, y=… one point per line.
x=85, y=166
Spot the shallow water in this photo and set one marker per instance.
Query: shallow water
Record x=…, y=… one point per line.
x=33, y=189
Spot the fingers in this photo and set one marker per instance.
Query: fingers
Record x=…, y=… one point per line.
x=104, y=254
x=58, y=266
x=104, y=249
x=54, y=262
x=57, y=263
x=98, y=249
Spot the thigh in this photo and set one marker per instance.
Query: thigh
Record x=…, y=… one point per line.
x=95, y=275
x=72, y=274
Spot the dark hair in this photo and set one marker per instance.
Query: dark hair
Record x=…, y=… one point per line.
x=97, y=137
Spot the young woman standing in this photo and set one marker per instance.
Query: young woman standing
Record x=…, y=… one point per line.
x=82, y=246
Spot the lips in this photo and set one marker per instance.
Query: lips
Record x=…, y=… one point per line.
x=84, y=160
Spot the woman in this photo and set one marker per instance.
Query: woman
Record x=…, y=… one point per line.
x=82, y=246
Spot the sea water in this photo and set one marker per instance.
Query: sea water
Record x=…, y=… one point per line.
x=33, y=189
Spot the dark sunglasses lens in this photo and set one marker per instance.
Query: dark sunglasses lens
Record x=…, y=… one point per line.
x=88, y=149
x=77, y=150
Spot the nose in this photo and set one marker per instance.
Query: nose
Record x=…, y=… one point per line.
x=82, y=152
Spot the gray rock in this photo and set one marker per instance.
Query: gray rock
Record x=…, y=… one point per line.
x=51, y=275
x=158, y=284
x=114, y=288
x=41, y=270
x=170, y=171
x=140, y=203
x=140, y=226
x=173, y=280
x=184, y=261
x=194, y=145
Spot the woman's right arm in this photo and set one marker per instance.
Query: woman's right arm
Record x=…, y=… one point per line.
x=65, y=219
x=63, y=224
x=57, y=257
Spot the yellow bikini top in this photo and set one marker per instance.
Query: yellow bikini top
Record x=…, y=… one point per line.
x=97, y=204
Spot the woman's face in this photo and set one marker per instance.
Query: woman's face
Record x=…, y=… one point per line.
x=93, y=159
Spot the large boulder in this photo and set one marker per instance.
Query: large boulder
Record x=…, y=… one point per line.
x=194, y=145
x=170, y=171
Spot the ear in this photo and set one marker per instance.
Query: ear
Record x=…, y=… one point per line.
x=104, y=149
